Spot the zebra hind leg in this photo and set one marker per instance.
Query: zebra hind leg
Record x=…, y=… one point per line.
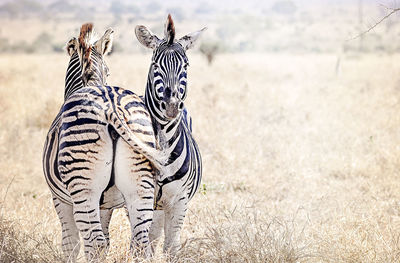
x=87, y=219
x=86, y=177
x=70, y=234
x=134, y=178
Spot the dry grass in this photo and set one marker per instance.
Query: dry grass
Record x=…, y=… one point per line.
x=18, y=246
x=300, y=165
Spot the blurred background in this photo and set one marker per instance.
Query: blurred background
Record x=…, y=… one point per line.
x=295, y=110
x=300, y=26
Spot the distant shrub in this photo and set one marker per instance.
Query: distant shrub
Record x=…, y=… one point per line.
x=58, y=48
x=20, y=47
x=19, y=7
x=4, y=45
x=61, y=6
x=209, y=50
x=42, y=43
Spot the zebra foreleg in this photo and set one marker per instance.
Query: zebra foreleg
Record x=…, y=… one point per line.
x=156, y=229
x=174, y=218
x=70, y=234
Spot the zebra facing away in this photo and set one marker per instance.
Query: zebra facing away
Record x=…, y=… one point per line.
x=89, y=159
x=62, y=201
x=164, y=98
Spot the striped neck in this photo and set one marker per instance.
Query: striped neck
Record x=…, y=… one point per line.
x=73, y=78
x=93, y=73
x=153, y=105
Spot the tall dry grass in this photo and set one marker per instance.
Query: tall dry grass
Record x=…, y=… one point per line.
x=300, y=164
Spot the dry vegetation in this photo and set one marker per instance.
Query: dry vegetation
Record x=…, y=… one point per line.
x=300, y=165
x=300, y=145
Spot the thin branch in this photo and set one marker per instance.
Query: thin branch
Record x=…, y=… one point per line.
x=8, y=187
x=393, y=10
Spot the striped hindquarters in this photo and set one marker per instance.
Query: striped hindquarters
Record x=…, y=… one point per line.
x=85, y=112
x=50, y=163
x=87, y=117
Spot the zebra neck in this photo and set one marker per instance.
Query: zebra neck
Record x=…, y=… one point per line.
x=169, y=132
x=153, y=105
x=73, y=77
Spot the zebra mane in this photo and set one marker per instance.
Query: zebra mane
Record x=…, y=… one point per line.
x=86, y=39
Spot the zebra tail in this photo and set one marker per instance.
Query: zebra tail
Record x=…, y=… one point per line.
x=158, y=158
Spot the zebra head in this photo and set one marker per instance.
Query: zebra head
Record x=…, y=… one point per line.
x=91, y=51
x=168, y=70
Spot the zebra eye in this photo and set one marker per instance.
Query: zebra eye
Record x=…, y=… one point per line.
x=181, y=90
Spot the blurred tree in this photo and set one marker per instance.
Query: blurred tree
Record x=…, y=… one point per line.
x=392, y=11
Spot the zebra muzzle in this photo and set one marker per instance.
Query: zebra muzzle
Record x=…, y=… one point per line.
x=172, y=109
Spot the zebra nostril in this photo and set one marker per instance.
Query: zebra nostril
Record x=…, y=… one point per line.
x=180, y=106
x=163, y=105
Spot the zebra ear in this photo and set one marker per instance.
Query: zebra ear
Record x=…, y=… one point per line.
x=146, y=37
x=104, y=44
x=169, y=30
x=189, y=40
x=72, y=46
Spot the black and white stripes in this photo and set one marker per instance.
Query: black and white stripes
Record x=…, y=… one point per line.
x=89, y=163
x=108, y=147
x=73, y=79
x=164, y=98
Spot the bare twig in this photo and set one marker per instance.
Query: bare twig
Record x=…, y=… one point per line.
x=392, y=11
x=8, y=187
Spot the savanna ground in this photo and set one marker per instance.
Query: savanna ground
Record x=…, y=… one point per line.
x=301, y=163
